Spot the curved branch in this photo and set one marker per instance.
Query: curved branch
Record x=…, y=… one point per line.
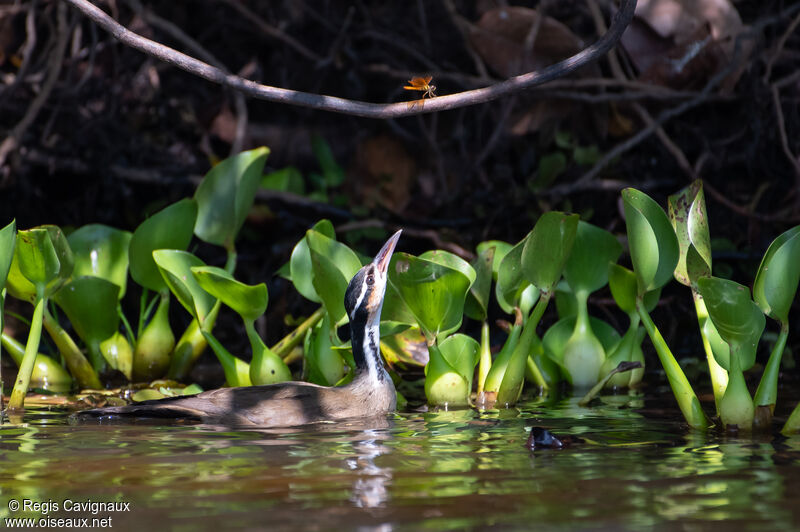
x=353, y=107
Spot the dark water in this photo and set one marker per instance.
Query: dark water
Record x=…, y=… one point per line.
x=421, y=471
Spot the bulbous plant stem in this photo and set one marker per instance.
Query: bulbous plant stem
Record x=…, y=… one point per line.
x=265, y=367
x=17, y=400
x=237, y=371
x=79, y=367
x=719, y=377
x=583, y=353
x=444, y=386
x=736, y=408
x=485, y=361
x=191, y=345
x=514, y=376
x=684, y=394
x=767, y=392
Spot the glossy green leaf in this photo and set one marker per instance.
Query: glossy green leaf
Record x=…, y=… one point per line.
x=175, y=267
x=623, y=285
x=43, y=260
x=8, y=242
x=511, y=282
x=477, y=303
x=333, y=264
x=432, y=291
x=226, y=194
x=323, y=364
x=154, y=346
x=547, y=249
x=90, y=304
x=237, y=371
x=587, y=265
x=651, y=239
x=444, y=384
x=249, y=301
x=170, y=228
x=101, y=251
x=118, y=353
x=687, y=213
x=738, y=320
x=500, y=250
x=300, y=270
x=776, y=282
x=461, y=352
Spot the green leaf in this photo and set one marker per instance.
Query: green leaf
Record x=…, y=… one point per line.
x=249, y=301
x=500, y=250
x=776, y=281
x=8, y=242
x=433, y=291
x=225, y=196
x=623, y=284
x=170, y=228
x=176, y=269
x=287, y=179
x=42, y=263
x=738, y=320
x=511, y=282
x=331, y=172
x=687, y=213
x=333, y=264
x=101, y=251
x=461, y=352
x=547, y=249
x=477, y=303
x=551, y=166
x=651, y=239
x=300, y=269
x=90, y=304
x=593, y=250
x=323, y=364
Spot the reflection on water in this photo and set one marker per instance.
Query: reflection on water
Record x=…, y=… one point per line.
x=447, y=470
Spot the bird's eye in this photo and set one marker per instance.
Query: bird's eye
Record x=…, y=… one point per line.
x=370, y=280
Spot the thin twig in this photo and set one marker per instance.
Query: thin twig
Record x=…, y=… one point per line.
x=352, y=107
x=779, y=48
x=787, y=150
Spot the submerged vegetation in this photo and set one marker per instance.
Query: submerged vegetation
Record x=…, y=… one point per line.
x=76, y=282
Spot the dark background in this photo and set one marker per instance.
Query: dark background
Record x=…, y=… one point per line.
x=121, y=135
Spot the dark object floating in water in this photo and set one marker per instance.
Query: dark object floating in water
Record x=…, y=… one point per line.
x=541, y=438
x=370, y=394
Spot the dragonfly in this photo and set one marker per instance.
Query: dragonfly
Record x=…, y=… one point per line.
x=422, y=84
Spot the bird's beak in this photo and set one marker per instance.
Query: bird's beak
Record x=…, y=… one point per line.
x=383, y=257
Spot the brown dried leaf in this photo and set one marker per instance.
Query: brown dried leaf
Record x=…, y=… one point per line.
x=385, y=173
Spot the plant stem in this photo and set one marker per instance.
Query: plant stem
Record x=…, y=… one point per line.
x=684, y=394
x=511, y=387
x=719, y=377
x=191, y=345
x=485, y=362
x=767, y=392
x=285, y=346
x=237, y=371
x=230, y=262
x=17, y=401
x=79, y=367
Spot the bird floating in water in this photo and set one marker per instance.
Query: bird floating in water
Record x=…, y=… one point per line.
x=371, y=393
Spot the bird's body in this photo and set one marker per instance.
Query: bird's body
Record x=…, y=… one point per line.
x=371, y=393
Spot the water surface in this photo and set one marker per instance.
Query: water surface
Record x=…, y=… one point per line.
x=419, y=471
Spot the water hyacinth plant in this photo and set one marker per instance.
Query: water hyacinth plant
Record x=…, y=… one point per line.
x=85, y=276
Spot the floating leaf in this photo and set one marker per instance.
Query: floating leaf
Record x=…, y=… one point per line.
x=587, y=266
x=101, y=251
x=687, y=213
x=500, y=250
x=300, y=269
x=433, y=291
x=170, y=228
x=249, y=301
x=776, y=281
x=652, y=241
x=547, y=249
x=511, y=282
x=333, y=264
x=42, y=262
x=225, y=196
x=176, y=269
x=90, y=303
